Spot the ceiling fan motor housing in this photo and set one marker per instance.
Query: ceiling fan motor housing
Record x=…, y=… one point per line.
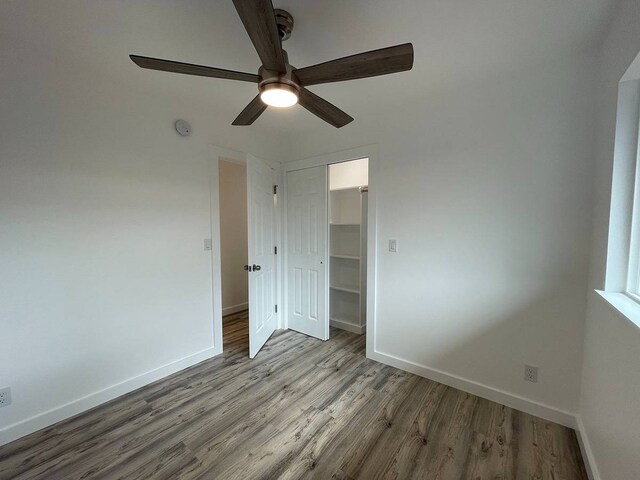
x=285, y=23
x=270, y=77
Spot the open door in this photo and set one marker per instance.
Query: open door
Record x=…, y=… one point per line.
x=262, y=264
x=306, y=252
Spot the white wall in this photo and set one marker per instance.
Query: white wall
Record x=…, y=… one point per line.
x=487, y=188
x=233, y=236
x=349, y=174
x=103, y=212
x=611, y=374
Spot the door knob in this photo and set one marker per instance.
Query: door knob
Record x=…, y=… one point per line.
x=256, y=267
x=247, y=268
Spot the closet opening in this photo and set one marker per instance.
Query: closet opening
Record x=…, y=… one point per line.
x=347, y=198
x=234, y=254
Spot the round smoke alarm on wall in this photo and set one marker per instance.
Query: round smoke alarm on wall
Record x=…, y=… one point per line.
x=183, y=127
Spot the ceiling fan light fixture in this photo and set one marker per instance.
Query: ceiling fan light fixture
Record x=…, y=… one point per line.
x=279, y=84
x=279, y=95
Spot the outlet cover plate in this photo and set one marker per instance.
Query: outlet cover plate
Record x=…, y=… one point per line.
x=531, y=374
x=5, y=397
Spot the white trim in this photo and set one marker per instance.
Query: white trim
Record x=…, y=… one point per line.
x=517, y=402
x=235, y=308
x=349, y=327
x=45, y=419
x=327, y=261
x=282, y=199
x=215, y=153
x=586, y=450
x=622, y=303
x=372, y=250
x=279, y=239
x=340, y=156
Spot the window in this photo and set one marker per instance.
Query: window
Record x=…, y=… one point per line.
x=622, y=282
x=633, y=257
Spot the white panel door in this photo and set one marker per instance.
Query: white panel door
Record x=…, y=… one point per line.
x=262, y=263
x=307, y=226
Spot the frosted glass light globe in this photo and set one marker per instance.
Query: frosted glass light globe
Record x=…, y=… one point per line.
x=279, y=95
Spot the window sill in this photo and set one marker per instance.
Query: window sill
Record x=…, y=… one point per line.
x=624, y=305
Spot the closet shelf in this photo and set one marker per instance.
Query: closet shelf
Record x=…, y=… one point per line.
x=357, y=189
x=347, y=257
x=344, y=224
x=346, y=288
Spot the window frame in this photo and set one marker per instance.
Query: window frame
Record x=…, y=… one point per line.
x=632, y=287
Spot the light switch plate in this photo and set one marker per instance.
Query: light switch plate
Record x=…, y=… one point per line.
x=207, y=244
x=393, y=246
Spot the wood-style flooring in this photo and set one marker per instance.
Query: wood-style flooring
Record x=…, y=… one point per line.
x=301, y=409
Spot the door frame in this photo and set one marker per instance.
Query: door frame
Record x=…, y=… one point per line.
x=215, y=153
x=370, y=152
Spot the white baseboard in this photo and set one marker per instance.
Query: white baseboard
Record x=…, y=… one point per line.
x=234, y=309
x=45, y=419
x=349, y=327
x=510, y=400
x=587, y=452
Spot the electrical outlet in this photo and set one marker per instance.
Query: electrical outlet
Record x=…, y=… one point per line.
x=531, y=374
x=207, y=244
x=5, y=397
x=393, y=246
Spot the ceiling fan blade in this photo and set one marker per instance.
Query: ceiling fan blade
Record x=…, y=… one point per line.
x=250, y=112
x=259, y=21
x=323, y=109
x=362, y=65
x=190, y=69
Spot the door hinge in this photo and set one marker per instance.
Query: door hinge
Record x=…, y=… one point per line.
x=275, y=250
x=276, y=308
x=275, y=189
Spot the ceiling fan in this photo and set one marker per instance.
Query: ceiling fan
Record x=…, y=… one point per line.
x=280, y=84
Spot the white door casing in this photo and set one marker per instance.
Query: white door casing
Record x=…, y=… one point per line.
x=261, y=217
x=307, y=231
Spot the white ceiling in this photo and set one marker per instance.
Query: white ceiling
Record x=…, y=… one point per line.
x=453, y=40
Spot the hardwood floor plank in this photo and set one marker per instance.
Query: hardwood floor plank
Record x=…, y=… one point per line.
x=324, y=455
x=321, y=454
x=302, y=408
x=67, y=437
x=493, y=445
x=271, y=448
x=296, y=391
x=398, y=416
x=229, y=410
x=421, y=441
x=451, y=449
x=412, y=446
x=165, y=466
x=198, y=414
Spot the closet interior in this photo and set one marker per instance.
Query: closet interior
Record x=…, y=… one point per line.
x=348, y=191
